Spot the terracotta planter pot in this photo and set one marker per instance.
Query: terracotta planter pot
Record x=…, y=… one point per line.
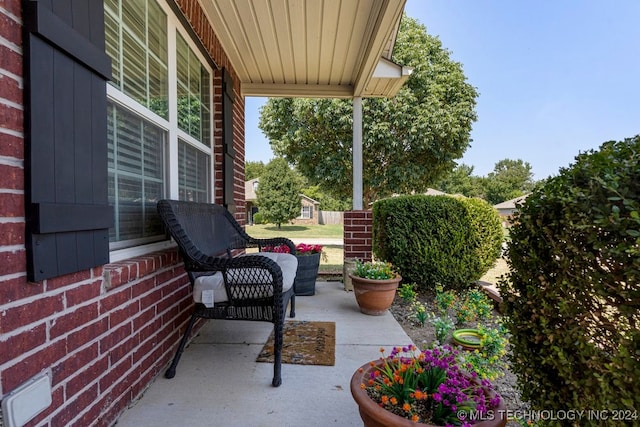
x=374, y=416
x=374, y=297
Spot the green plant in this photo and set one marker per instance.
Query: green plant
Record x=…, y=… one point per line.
x=480, y=303
x=407, y=292
x=473, y=305
x=444, y=299
x=487, y=224
x=419, y=313
x=443, y=325
x=489, y=361
x=375, y=270
x=429, y=239
x=430, y=386
x=572, y=298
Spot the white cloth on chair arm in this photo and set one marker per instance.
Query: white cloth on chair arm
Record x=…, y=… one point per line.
x=288, y=264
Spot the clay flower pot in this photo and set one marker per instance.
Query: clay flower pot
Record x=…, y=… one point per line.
x=374, y=296
x=373, y=415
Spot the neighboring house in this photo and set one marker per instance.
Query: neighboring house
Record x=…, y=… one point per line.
x=309, y=208
x=507, y=208
x=107, y=106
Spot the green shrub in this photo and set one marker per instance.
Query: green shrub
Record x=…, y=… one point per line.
x=488, y=226
x=429, y=239
x=258, y=218
x=572, y=298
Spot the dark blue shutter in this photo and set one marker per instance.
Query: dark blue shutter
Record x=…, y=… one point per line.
x=228, y=163
x=65, y=69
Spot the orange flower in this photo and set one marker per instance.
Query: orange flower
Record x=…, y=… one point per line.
x=394, y=401
x=381, y=349
x=415, y=418
x=360, y=370
x=371, y=382
x=406, y=407
x=362, y=386
x=384, y=399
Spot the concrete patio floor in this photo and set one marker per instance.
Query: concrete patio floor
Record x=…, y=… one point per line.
x=219, y=383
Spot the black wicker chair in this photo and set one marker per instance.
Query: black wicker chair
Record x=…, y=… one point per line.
x=250, y=286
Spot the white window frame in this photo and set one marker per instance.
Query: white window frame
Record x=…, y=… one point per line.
x=170, y=126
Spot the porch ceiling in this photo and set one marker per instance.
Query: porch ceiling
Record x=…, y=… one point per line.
x=311, y=48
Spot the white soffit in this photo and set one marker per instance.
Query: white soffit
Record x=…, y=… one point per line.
x=310, y=48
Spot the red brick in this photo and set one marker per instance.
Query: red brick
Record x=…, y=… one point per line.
x=17, y=289
x=17, y=373
x=11, y=146
x=11, y=233
x=88, y=333
x=145, y=316
x=12, y=6
x=14, y=346
x=124, y=350
x=13, y=262
x=10, y=60
x=11, y=90
x=114, y=299
x=22, y=315
x=11, y=118
x=75, y=362
x=12, y=205
x=87, y=375
x=124, y=314
x=67, y=279
x=73, y=407
x=115, y=337
x=114, y=376
x=82, y=293
x=143, y=287
x=80, y=316
x=10, y=29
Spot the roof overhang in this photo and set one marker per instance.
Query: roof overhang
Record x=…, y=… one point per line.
x=310, y=48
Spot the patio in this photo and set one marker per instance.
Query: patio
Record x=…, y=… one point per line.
x=218, y=381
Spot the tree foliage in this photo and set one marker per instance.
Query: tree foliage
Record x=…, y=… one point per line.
x=461, y=181
x=253, y=170
x=409, y=141
x=278, y=194
x=509, y=179
x=572, y=296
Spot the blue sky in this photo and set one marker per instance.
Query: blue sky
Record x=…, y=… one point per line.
x=555, y=78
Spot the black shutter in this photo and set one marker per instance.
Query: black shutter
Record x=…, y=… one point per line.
x=65, y=70
x=228, y=163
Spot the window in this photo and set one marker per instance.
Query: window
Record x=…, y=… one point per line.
x=307, y=212
x=159, y=120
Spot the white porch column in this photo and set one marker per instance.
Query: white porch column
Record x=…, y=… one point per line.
x=357, y=154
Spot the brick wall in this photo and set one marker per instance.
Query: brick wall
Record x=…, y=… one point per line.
x=105, y=333
x=358, y=235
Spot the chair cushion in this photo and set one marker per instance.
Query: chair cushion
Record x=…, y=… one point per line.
x=288, y=264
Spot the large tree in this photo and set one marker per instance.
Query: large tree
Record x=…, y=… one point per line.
x=278, y=193
x=461, y=181
x=409, y=140
x=509, y=179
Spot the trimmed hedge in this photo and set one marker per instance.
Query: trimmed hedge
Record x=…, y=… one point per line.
x=486, y=222
x=430, y=239
x=572, y=298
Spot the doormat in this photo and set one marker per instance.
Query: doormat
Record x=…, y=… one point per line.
x=305, y=343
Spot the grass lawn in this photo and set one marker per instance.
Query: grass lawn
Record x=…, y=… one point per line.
x=263, y=231
x=498, y=270
x=334, y=253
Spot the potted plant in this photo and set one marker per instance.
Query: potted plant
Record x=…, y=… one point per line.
x=308, y=264
x=374, y=285
x=425, y=388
